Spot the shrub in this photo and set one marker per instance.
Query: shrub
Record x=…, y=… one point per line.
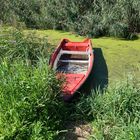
x=90, y=18
x=119, y=30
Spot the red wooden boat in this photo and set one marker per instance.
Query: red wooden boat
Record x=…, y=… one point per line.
x=73, y=60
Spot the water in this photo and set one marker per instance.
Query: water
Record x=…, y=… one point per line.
x=72, y=68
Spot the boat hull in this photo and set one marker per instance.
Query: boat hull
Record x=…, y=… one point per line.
x=73, y=61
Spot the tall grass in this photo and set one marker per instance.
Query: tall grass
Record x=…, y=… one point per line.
x=30, y=107
x=29, y=47
x=115, y=113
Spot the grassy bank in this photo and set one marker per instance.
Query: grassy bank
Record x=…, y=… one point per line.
x=115, y=114
x=30, y=107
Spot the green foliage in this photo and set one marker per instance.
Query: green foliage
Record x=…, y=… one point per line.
x=89, y=18
x=115, y=113
x=30, y=107
x=29, y=48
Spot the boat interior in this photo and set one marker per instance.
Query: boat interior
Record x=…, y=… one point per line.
x=73, y=62
x=73, y=58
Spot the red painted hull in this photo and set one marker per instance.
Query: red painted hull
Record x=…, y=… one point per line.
x=74, y=61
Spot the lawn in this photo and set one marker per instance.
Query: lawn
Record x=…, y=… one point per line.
x=115, y=58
